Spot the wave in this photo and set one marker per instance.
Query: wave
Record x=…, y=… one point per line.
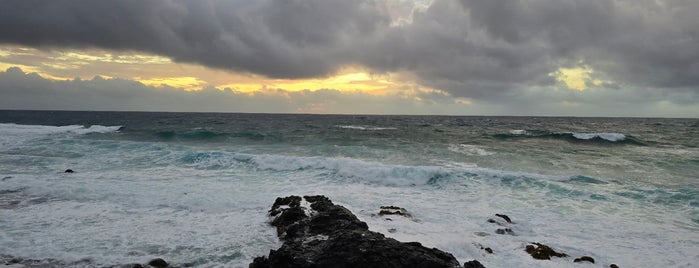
x=599, y=138
x=206, y=135
x=364, y=127
x=362, y=171
x=468, y=149
x=11, y=128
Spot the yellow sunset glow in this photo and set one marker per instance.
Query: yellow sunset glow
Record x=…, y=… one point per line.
x=574, y=78
x=187, y=82
x=350, y=80
x=157, y=71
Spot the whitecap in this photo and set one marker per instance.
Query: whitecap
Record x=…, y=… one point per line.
x=364, y=127
x=468, y=149
x=519, y=132
x=605, y=136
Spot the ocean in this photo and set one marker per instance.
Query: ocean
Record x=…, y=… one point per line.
x=195, y=188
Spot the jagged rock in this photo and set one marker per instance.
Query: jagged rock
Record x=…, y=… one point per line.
x=585, y=258
x=393, y=210
x=473, y=264
x=543, y=252
x=69, y=171
x=259, y=262
x=282, y=203
x=158, y=263
x=328, y=235
x=507, y=219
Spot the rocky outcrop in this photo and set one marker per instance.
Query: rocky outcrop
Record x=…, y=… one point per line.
x=543, y=252
x=393, y=210
x=317, y=233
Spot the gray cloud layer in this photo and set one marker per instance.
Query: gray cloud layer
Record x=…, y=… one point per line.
x=20, y=90
x=481, y=49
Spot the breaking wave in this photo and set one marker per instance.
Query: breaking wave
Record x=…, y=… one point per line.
x=598, y=138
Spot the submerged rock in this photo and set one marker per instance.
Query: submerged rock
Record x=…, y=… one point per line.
x=328, y=235
x=507, y=219
x=486, y=249
x=585, y=258
x=543, y=252
x=69, y=171
x=505, y=231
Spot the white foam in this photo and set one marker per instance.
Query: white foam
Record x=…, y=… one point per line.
x=604, y=136
x=363, y=127
x=44, y=130
x=133, y=201
x=13, y=134
x=352, y=169
x=468, y=149
x=519, y=132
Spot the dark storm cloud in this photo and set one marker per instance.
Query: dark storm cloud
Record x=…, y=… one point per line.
x=275, y=38
x=481, y=49
x=639, y=43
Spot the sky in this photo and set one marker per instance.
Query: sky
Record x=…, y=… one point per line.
x=455, y=57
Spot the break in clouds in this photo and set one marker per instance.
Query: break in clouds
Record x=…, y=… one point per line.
x=478, y=49
x=20, y=90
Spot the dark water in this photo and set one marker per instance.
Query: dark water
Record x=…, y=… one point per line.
x=172, y=184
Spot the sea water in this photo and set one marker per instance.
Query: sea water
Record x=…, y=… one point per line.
x=194, y=189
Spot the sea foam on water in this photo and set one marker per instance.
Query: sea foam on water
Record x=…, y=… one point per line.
x=135, y=195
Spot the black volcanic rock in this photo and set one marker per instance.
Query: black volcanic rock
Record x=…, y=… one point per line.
x=473, y=264
x=505, y=231
x=158, y=263
x=543, y=252
x=585, y=258
x=507, y=219
x=393, y=210
x=328, y=235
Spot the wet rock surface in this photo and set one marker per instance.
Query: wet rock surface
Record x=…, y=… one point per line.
x=473, y=264
x=393, y=210
x=158, y=263
x=317, y=233
x=585, y=258
x=543, y=252
x=505, y=217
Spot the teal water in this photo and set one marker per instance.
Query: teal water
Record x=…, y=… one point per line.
x=194, y=188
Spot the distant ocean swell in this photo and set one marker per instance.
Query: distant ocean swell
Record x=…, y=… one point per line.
x=192, y=179
x=592, y=138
